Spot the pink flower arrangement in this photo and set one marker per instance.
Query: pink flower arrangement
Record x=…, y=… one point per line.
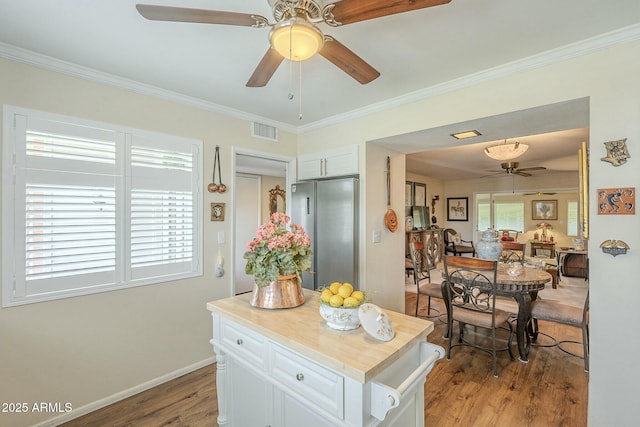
x=279, y=249
x=544, y=225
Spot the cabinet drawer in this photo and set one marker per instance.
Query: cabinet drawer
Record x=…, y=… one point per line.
x=320, y=386
x=248, y=345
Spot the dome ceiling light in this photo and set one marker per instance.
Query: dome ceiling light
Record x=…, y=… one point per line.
x=506, y=150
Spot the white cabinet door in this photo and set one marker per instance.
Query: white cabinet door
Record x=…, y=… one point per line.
x=341, y=161
x=291, y=413
x=310, y=166
x=249, y=396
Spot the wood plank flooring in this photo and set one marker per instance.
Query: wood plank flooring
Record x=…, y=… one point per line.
x=550, y=390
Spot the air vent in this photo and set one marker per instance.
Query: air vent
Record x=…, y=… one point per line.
x=260, y=130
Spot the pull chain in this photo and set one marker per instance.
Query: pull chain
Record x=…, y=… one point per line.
x=300, y=93
x=290, y=66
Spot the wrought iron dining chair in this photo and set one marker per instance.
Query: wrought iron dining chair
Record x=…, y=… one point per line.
x=512, y=252
x=422, y=266
x=470, y=294
x=453, y=243
x=553, y=311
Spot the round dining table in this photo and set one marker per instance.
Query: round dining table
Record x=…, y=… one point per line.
x=523, y=288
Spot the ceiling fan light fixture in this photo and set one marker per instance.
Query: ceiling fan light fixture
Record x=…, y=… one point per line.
x=296, y=39
x=506, y=150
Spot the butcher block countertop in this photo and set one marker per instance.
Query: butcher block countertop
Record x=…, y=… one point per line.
x=353, y=353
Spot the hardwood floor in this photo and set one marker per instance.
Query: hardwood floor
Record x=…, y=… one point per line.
x=550, y=390
x=189, y=400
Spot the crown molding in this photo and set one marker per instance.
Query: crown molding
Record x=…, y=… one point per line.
x=584, y=47
x=53, y=64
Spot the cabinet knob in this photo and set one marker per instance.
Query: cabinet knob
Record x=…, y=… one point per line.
x=239, y=341
x=299, y=377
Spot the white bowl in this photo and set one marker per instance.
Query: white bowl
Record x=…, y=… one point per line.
x=340, y=318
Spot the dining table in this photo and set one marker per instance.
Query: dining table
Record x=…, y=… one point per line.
x=522, y=287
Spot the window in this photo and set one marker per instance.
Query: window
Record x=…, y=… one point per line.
x=507, y=213
x=91, y=207
x=572, y=218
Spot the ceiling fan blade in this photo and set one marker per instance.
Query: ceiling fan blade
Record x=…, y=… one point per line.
x=349, y=11
x=343, y=58
x=518, y=172
x=265, y=69
x=180, y=14
x=535, y=168
x=494, y=174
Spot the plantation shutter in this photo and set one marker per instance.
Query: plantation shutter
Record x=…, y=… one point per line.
x=161, y=212
x=68, y=213
x=95, y=207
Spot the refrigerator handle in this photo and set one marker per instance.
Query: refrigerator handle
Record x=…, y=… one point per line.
x=308, y=206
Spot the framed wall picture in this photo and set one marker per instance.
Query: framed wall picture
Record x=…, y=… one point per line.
x=544, y=209
x=217, y=211
x=408, y=193
x=419, y=194
x=617, y=201
x=457, y=209
x=277, y=200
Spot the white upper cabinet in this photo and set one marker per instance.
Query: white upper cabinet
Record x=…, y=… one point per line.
x=329, y=163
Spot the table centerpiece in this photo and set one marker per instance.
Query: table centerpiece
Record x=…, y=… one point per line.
x=276, y=258
x=544, y=227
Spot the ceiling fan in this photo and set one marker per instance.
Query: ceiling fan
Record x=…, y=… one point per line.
x=511, y=168
x=296, y=20
x=540, y=193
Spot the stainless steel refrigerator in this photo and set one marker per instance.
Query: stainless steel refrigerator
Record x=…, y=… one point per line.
x=328, y=211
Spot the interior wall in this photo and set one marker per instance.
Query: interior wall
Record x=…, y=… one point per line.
x=609, y=78
x=89, y=349
x=382, y=267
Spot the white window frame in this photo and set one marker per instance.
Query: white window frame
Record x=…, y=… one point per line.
x=124, y=176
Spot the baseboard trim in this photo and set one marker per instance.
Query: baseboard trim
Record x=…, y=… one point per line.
x=101, y=403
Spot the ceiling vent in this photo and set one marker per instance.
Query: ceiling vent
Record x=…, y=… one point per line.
x=260, y=130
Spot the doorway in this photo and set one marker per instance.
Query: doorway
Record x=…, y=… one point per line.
x=254, y=174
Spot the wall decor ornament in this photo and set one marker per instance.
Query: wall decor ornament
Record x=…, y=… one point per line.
x=277, y=200
x=457, y=209
x=617, y=152
x=617, y=201
x=408, y=193
x=614, y=247
x=213, y=187
x=217, y=211
x=419, y=194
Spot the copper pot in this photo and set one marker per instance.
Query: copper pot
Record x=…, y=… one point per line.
x=286, y=292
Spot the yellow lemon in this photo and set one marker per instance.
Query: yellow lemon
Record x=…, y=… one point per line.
x=326, y=296
x=345, y=290
x=334, y=287
x=351, y=302
x=336, y=301
x=359, y=295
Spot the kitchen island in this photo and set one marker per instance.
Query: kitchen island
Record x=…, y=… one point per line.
x=287, y=368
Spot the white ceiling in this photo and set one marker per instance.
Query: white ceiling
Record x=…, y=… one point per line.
x=211, y=63
x=415, y=52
